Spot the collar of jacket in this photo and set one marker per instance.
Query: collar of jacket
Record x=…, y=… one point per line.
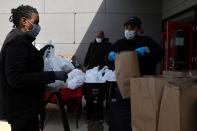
x=26, y=35
x=29, y=38
x=137, y=37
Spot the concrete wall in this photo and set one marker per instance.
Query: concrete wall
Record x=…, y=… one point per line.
x=72, y=24
x=171, y=7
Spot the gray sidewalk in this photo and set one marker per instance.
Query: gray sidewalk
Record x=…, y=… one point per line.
x=54, y=121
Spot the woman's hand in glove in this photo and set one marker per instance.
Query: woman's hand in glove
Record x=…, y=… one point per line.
x=48, y=46
x=60, y=75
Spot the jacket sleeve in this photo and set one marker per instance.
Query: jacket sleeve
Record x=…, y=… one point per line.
x=16, y=68
x=156, y=51
x=86, y=61
x=115, y=46
x=107, y=62
x=150, y=60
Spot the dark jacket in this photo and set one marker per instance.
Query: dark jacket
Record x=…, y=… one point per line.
x=148, y=62
x=22, y=80
x=97, y=54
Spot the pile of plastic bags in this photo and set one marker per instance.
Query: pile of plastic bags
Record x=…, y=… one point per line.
x=57, y=63
x=95, y=75
x=76, y=77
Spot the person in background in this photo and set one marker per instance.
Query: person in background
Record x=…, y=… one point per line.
x=22, y=79
x=149, y=54
x=75, y=62
x=97, y=52
x=96, y=56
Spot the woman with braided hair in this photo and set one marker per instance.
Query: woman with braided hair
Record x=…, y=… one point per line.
x=22, y=79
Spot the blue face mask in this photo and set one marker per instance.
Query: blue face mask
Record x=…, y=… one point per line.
x=35, y=30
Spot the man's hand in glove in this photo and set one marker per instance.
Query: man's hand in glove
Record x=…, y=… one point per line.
x=142, y=51
x=60, y=75
x=48, y=46
x=112, y=56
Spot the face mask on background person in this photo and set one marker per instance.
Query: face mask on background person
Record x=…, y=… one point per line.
x=35, y=30
x=130, y=34
x=98, y=40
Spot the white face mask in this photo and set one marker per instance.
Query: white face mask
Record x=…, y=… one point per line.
x=98, y=40
x=130, y=34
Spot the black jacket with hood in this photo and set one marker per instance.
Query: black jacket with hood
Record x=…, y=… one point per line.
x=22, y=80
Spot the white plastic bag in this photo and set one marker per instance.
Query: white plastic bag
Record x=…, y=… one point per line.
x=56, y=63
x=91, y=75
x=75, y=79
x=101, y=74
x=95, y=75
x=56, y=85
x=109, y=75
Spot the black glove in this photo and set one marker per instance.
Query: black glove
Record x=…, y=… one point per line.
x=60, y=75
x=42, y=51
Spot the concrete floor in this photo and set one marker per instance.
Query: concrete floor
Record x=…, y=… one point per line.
x=54, y=122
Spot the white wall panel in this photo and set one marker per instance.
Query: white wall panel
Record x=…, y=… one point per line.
x=5, y=26
x=63, y=49
x=87, y=24
x=56, y=27
x=74, y=6
x=89, y=6
x=7, y=5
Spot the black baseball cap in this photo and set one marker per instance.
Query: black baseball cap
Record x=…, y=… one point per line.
x=135, y=21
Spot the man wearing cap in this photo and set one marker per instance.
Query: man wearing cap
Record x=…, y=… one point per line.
x=149, y=55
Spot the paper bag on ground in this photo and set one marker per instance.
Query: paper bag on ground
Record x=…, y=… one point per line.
x=145, y=100
x=126, y=66
x=163, y=104
x=178, y=108
x=169, y=116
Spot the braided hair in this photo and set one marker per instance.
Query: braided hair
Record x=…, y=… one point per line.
x=21, y=11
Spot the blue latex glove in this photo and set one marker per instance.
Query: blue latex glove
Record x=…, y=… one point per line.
x=142, y=51
x=112, y=56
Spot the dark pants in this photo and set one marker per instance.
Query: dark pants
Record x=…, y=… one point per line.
x=25, y=122
x=120, y=114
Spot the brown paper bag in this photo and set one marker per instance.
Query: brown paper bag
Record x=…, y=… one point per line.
x=169, y=115
x=178, y=108
x=146, y=95
x=163, y=104
x=126, y=66
x=188, y=107
x=174, y=74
